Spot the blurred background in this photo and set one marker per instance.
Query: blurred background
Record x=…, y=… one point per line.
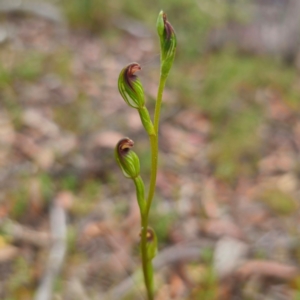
x=226, y=208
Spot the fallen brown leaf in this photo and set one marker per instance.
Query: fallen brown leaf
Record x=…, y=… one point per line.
x=268, y=269
x=8, y=253
x=220, y=228
x=177, y=286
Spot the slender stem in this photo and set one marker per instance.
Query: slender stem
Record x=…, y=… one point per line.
x=154, y=143
x=162, y=82
x=147, y=267
x=154, y=161
x=140, y=192
x=150, y=276
x=147, y=264
x=146, y=120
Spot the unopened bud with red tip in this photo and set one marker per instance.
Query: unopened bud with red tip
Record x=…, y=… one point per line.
x=132, y=92
x=168, y=42
x=130, y=86
x=127, y=159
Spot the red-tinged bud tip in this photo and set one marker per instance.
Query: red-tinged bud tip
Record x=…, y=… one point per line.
x=127, y=160
x=124, y=146
x=168, y=27
x=168, y=42
x=129, y=73
x=130, y=86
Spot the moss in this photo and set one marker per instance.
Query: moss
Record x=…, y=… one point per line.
x=47, y=186
x=94, y=15
x=207, y=288
x=279, y=202
x=20, y=201
x=60, y=63
x=69, y=182
x=19, y=285
x=29, y=66
x=88, y=194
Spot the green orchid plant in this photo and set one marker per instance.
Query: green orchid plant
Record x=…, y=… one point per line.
x=132, y=91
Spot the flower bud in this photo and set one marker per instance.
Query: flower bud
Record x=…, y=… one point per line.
x=151, y=243
x=168, y=42
x=130, y=86
x=127, y=159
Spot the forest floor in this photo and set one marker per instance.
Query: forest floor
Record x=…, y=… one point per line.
x=226, y=210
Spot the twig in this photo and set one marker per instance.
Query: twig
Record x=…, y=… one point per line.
x=75, y=289
x=270, y=269
x=42, y=9
x=58, y=224
x=22, y=233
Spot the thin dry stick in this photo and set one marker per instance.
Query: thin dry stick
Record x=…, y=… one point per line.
x=42, y=9
x=24, y=234
x=58, y=225
x=75, y=289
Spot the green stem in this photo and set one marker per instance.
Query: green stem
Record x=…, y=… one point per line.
x=162, y=82
x=154, y=143
x=140, y=192
x=146, y=120
x=150, y=276
x=154, y=161
x=147, y=264
x=147, y=269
